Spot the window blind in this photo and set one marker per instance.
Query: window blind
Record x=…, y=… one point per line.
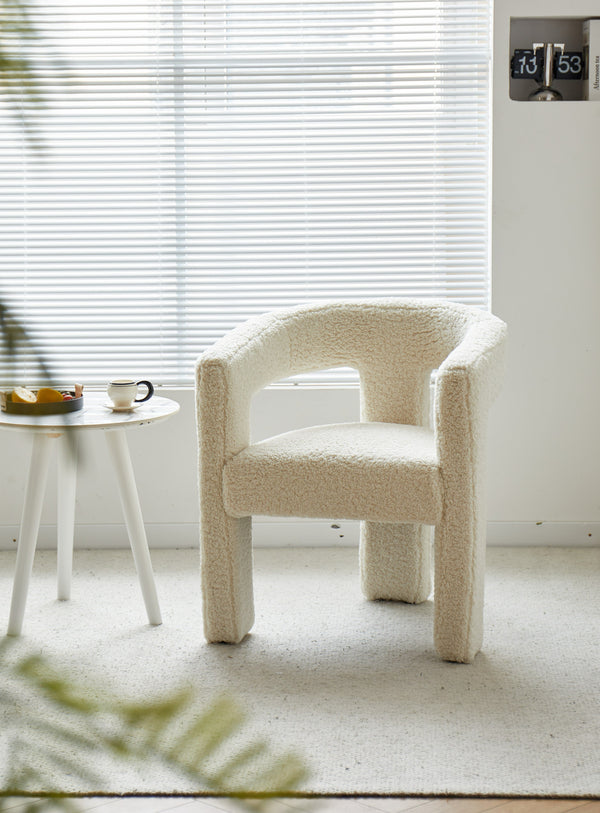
x=207, y=161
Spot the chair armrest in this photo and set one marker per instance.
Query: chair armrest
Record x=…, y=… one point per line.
x=227, y=375
x=467, y=382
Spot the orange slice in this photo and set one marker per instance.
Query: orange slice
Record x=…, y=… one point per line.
x=22, y=396
x=48, y=396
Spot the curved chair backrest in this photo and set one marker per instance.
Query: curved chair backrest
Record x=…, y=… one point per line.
x=394, y=344
x=358, y=334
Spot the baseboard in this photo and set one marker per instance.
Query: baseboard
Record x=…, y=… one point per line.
x=172, y=535
x=543, y=534
x=268, y=532
x=272, y=532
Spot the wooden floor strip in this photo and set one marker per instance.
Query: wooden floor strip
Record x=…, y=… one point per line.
x=536, y=805
x=466, y=805
x=589, y=807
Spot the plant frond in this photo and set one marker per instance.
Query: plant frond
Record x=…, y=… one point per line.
x=226, y=775
x=201, y=743
x=36, y=766
x=203, y=736
x=153, y=718
x=19, y=78
x=59, y=732
x=284, y=773
x=14, y=337
x=55, y=687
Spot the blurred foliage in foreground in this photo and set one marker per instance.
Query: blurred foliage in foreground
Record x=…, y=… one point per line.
x=16, y=342
x=19, y=83
x=57, y=735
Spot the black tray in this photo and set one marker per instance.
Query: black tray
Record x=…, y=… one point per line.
x=57, y=408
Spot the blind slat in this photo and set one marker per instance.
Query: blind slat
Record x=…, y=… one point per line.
x=207, y=161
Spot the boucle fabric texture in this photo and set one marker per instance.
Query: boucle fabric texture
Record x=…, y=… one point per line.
x=396, y=470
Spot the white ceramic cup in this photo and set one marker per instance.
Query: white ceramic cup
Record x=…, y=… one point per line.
x=122, y=392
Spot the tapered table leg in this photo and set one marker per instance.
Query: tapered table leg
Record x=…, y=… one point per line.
x=65, y=516
x=119, y=453
x=30, y=523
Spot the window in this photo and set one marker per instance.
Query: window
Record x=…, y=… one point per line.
x=206, y=161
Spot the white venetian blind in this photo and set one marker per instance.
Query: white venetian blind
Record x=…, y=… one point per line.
x=206, y=161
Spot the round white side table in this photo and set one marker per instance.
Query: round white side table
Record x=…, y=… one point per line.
x=95, y=415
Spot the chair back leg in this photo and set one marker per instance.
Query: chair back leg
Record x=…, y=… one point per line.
x=395, y=561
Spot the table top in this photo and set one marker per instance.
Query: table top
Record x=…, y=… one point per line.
x=97, y=413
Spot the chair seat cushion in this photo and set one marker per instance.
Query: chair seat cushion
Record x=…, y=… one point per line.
x=383, y=472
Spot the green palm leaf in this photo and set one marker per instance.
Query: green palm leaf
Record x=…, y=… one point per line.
x=57, y=729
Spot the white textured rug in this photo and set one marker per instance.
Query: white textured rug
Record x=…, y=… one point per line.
x=353, y=686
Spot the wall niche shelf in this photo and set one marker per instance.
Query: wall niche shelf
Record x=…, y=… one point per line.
x=525, y=31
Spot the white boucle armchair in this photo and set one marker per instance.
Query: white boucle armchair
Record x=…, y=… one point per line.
x=393, y=470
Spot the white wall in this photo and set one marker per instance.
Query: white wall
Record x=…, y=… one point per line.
x=545, y=440
x=544, y=448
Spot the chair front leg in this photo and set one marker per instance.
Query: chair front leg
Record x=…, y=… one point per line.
x=395, y=561
x=459, y=585
x=226, y=565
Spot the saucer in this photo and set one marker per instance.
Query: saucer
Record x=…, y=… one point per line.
x=114, y=408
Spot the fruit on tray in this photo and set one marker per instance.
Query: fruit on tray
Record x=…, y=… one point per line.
x=20, y=395
x=47, y=395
